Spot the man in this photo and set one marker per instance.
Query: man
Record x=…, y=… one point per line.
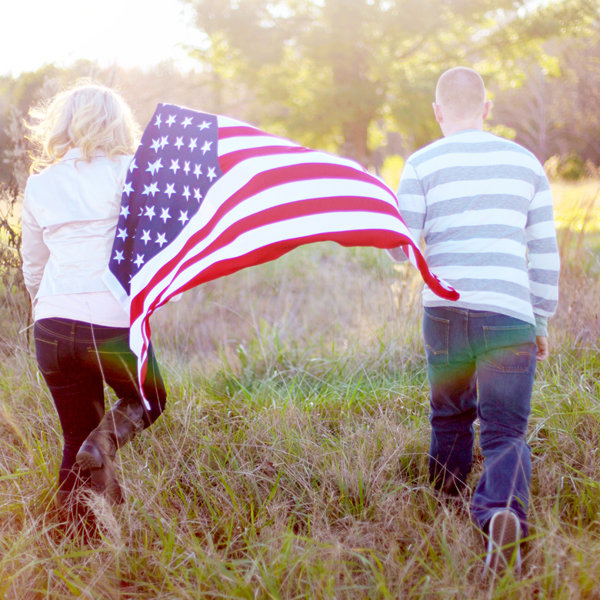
x=484, y=207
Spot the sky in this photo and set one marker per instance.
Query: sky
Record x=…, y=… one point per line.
x=124, y=32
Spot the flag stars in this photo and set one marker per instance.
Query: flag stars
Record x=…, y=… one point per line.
x=127, y=188
x=161, y=239
x=197, y=194
x=145, y=236
x=179, y=142
x=119, y=257
x=170, y=120
x=124, y=211
x=164, y=215
x=150, y=189
x=193, y=144
x=174, y=166
x=158, y=121
x=155, y=145
x=170, y=189
x=186, y=193
x=139, y=260
x=211, y=173
x=203, y=125
x=183, y=217
x=206, y=147
x=186, y=167
x=154, y=167
x=197, y=170
x=150, y=212
x=132, y=166
x=187, y=121
x=164, y=141
x=122, y=233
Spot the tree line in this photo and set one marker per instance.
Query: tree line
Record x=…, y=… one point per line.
x=357, y=77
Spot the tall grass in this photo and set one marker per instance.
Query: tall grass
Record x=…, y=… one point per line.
x=291, y=462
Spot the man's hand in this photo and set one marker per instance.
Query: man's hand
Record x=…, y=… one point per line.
x=542, y=347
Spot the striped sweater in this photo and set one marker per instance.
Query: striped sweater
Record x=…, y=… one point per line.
x=484, y=207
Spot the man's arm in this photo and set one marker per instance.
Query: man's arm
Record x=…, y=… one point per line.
x=411, y=204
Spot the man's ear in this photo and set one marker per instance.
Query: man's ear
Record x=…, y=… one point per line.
x=437, y=111
x=487, y=107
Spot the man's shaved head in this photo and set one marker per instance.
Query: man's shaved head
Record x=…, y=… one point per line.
x=461, y=93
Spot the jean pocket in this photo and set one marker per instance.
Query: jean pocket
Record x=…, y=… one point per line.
x=46, y=353
x=436, y=335
x=510, y=349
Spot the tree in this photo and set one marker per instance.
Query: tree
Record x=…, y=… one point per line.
x=333, y=72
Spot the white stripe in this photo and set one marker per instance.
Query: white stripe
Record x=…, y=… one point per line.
x=233, y=144
x=482, y=218
x=474, y=158
x=479, y=187
x=487, y=273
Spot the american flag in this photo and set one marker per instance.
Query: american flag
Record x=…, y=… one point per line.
x=207, y=195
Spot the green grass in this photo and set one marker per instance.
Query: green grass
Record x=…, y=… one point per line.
x=292, y=459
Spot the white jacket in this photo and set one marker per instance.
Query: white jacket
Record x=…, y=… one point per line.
x=70, y=214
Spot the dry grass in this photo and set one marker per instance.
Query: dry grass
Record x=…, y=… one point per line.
x=291, y=462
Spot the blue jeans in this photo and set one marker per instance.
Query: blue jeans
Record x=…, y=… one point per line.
x=76, y=358
x=480, y=364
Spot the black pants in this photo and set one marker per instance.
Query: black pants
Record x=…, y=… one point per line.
x=76, y=358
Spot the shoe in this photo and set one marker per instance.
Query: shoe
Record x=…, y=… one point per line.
x=98, y=451
x=503, y=544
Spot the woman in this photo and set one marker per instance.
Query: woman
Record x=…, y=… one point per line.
x=84, y=139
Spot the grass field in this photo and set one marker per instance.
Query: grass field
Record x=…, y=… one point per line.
x=291, y=462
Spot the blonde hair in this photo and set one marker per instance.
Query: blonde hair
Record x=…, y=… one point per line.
x=461, y=91
x=92, y=118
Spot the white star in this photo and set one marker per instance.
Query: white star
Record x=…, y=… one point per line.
x=187, y=121
x=206, y=147
x=132, y=165
x=164, y=215
x=149, y=212
x=158, y=121
x=127, y=188
x=197, y=194
x=193, y=143
x=211, y=173
x=164, y=141
x=174, y=166
x=122, y=234
x=179, y=142
x=145, y=236
x=204, y=125
x=124, y=211
x=154, y=167
x=119, y=256
x=139, y=260
x=170, y=189
x=186, y=167
x=186, y=192
x=150, y=189
x=171, y=120
x=155, y=145
x=183, y=217
x=197, y=170
x=161, y=239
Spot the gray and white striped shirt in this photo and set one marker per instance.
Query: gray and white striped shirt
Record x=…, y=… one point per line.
x=484, y=207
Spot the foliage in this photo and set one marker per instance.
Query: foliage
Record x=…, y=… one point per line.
x=326, y=71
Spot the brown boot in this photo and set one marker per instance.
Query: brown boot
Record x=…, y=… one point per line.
x=97, y=453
